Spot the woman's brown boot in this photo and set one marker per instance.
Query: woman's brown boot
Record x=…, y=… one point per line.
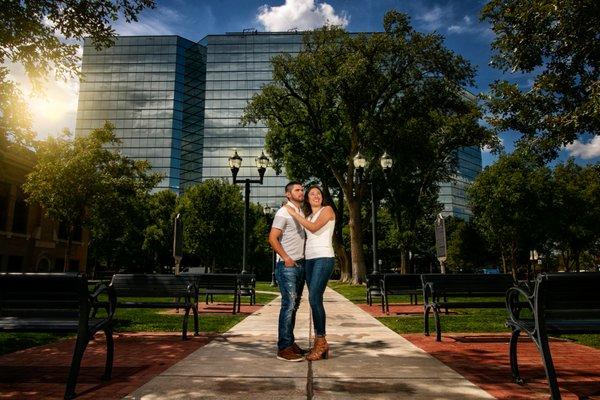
x=319, y=351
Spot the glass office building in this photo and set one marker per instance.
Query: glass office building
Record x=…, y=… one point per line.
x=178, y=105
x=237, y=65
x=453, y=194
x=152, y=89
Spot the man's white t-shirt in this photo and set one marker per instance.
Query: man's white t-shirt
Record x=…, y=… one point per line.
x=293, y=235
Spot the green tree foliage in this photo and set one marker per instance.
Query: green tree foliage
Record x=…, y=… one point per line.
x=212, y=214
x=41, y=35
x=512, y=200
x=559, y=41
x=80, y=181
x=576, y=217
x=342, y=94
x=15, y=120
x=158, y=235
x=467, y=250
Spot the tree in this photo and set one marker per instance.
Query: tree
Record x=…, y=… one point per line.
x=15, y=120
x=41, y=36
x=340, y=95
x=558, y=40
x=212, y=214
x=576, y=220
x=158, y=235
x=80, y=182
x=512, y=203
x=467, y=250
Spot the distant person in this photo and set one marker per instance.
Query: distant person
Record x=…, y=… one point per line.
x=320, y=260
x=287, y=240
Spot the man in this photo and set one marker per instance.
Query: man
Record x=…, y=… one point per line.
x=287, y=240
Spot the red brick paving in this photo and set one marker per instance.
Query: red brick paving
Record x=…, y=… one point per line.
x=395, y=309
x=41, y=372
x=483, y=359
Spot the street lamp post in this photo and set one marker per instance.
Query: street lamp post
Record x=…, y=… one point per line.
x=268, y=211
x=235, y=163
x=360, y=164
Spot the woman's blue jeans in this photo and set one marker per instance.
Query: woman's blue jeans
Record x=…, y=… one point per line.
x=318, y=271
x=291, y=285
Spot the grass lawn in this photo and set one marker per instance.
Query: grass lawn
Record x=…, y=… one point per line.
x=141, y=320
x=266, y=287
x=464, y=320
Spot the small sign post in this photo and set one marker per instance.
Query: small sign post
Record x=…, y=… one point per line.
x=177, y=242
x=440, y=241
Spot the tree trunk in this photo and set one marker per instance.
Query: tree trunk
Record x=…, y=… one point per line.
x=356, y=250
x=403, y=264
x=343, y=260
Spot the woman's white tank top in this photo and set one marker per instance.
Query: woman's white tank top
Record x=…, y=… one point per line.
x=319, y=244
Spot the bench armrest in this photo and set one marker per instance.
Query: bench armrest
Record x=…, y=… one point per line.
x=428, y=293
x=110, y=306
x=515, y=303
x=192, y=291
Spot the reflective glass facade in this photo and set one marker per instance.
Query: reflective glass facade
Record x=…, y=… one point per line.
x=152, y=89
x=178, y=105
x=237, y=65
x=453, y=194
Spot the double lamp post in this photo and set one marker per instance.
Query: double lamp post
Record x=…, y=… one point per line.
x=235, y=163
x=360, y=164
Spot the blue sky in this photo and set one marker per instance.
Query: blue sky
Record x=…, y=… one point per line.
x=457, y=21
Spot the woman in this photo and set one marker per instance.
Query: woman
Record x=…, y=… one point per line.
x=319, y=261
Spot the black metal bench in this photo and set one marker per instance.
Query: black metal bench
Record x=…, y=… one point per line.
x=373, y=287
x=214, y=284
x=559, y=303
x=397, y=284
x=247, y=288
x=461, y=291
x=57, y=303
x=181, y=290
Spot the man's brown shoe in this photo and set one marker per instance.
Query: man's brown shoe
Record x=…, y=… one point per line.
x=299, y=350
x=288, y=354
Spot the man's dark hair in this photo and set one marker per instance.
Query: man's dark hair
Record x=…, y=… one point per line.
x=288, y=187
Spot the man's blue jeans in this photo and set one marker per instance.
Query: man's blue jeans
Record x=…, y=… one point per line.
x=318, y=271
x=291, y=284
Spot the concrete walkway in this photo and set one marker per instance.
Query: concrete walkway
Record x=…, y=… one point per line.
x=368, y=361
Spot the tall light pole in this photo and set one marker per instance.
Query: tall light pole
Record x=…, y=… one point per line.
x=360, y=164
x=235, y=163
x=269, y=211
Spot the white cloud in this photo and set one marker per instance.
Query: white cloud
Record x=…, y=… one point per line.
x=299, y=14
x=433, y=19
x=159, y=22
x=587, y=150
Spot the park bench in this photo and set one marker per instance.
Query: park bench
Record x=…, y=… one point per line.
x=142, y=291
x=373, y=287
x=461, y=291
x=397, y=284
x=247, y=288
x=560, y=303
x=215, y=284
x=57, y=303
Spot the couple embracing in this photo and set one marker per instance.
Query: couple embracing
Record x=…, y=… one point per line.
x=301, y=236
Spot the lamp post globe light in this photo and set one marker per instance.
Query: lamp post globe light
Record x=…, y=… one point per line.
x=235, y=163
x=360, y=164
x=269, y=213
